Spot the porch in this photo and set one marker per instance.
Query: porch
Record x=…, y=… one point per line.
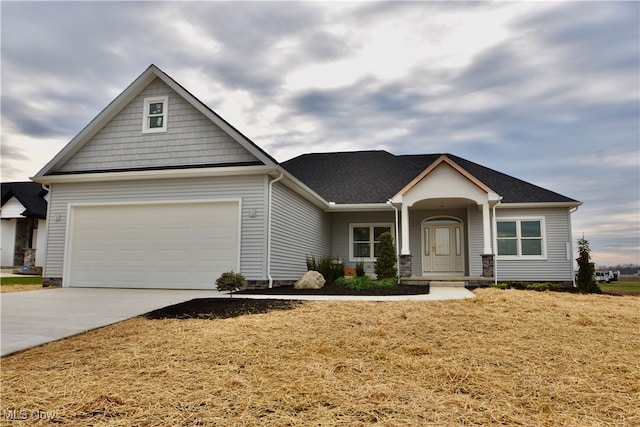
x=448, y=281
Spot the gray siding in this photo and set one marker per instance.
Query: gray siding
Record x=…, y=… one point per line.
x=191, y=139
x=475, y=241
x=556, y=266
x=340, y=232
x=299, y=229
x=250, y=189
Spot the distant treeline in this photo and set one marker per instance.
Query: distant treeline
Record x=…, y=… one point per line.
x=622, y=268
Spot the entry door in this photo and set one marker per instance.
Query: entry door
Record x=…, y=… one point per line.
x=442, y=246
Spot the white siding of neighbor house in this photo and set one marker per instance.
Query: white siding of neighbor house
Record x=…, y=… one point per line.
x=558, y=265
x=190, y=139
x=340, y=232
x=299, y=229
x=250, y=189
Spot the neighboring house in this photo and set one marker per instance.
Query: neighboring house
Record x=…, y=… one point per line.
x=24, y=226
x=159, y=191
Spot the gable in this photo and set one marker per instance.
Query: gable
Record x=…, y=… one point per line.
x=115, y=140
x=191, y=139
x=443, y=180
x=12, y=209
x=23, y=199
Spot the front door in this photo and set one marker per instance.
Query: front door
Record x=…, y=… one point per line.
x=442, y=250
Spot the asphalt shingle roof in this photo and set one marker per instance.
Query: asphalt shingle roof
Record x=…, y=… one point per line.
x=30, y=194
x=376, y=176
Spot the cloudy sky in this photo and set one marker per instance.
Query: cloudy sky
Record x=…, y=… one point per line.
x=548, y=92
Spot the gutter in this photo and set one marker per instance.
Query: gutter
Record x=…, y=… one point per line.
x=273, y=181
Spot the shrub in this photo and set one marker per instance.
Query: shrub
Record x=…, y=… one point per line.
x=385, y=266
x=231, y=282
x=362, y=283
x=586, y=281
x=330, y=268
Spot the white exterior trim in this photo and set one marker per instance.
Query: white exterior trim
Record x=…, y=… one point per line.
x=66, y=268
x=165, y=114
x=155, y=174
x=518, y=220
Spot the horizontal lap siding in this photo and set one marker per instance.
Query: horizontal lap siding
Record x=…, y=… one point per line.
x=475, y=241
x=556, y=267
x=250, y=189
x=191, y=139
x=299, y=229
x=340, y=232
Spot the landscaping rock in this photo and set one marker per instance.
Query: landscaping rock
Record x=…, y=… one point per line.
x=310, y=280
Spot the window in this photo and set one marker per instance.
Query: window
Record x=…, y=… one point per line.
x=520, y=238
x=364, y=240
x=155, y=114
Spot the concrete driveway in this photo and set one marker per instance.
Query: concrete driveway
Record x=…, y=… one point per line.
x=33, y=318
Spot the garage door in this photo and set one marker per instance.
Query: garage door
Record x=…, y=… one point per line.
x=156, y=245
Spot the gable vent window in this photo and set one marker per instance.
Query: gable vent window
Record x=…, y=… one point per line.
x=155, y=114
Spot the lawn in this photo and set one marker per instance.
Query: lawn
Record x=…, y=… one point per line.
x=507, y=357
x=626, y=285
x=20, y=283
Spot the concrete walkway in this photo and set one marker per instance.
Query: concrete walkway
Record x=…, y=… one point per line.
x=32, y=318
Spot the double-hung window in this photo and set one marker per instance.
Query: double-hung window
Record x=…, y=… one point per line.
x=155, y=114
x=521, y=238
x=364, y=240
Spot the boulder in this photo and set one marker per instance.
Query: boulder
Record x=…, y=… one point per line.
x=310, y=280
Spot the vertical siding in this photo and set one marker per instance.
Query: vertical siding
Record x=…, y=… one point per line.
x=340, y=232
x=250, y=189
x=299, y=229
x=556, y=266
x=190, y=139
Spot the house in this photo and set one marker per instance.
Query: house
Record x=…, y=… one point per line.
x=23, y=212
x=159, y=191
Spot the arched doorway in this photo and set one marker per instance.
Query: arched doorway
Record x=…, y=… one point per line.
x=442, y=246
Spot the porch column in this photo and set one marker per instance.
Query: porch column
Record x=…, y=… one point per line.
x=405, y=231
x=486, y=228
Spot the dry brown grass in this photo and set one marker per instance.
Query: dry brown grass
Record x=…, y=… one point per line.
x=20, y=288
x=504, y=358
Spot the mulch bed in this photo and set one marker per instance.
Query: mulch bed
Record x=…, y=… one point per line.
x=340, y=290
x=223, y=308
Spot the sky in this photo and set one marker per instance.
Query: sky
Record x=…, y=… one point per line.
x=548, y=92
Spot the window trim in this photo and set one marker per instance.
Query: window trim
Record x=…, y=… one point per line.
x=146, y=115
x=519, y=238
x=371, y=226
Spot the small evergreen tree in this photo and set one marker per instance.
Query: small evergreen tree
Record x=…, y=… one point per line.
x=230, y=281
x=586, y=282
x=385, y=266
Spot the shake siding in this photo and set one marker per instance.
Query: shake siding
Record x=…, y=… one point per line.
x=250, y=189
x=299, y=229
x=191, y=139
x=556, y=267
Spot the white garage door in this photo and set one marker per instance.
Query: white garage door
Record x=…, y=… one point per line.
x=157, y=245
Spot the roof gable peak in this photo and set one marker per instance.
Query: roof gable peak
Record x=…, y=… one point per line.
x=439, y=161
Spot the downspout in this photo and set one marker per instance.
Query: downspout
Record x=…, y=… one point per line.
x=390, y=203
x=495, y=243
x=273, y=181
